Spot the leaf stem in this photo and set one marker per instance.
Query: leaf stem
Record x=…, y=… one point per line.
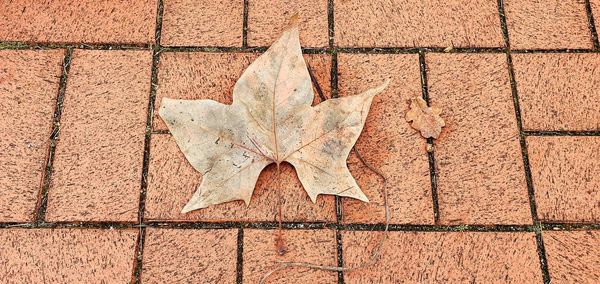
x=279, y=241
x=375, y=254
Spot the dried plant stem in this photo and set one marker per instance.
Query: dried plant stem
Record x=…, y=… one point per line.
x=375, y=254
x=279, y=241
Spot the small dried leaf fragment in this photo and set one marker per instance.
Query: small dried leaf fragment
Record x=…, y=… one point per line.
x=271, y=120
x=425, y=119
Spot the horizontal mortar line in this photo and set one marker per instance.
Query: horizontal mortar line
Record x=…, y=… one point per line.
x=419, y=49
x=525, y=132
x=34, y=45
x=312, y=50
x=308, y=50
x=373, y=50
x=303, y=225
x=559, y=50
x=560, y=133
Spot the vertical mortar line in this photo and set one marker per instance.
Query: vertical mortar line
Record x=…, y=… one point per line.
x=591, y=24
x=527, y=169
x=338, y=200
x=42, y=202
x=156, y=49
x=340, y=251
x=334, y=94
x=334, y=74
x=245, y=25
x=240, y=256
x=523, y=143
x=430, y=152
x=330, y=23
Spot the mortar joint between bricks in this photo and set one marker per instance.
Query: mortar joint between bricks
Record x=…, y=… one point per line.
x=42, y=203
x=523, y=144
x=209, y=225
x=156, y=50
x=430, y=141
x=331, y=23
x=340, y=255
x=159, y=19
x=258, y=49
x=240, y=256
x=245, y=24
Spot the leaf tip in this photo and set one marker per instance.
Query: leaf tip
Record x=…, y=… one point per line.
x=386, y=83
x=362, y=197
x=164, y=103
x=381, y=87
x=191, y=206
x=294, y=19
x=312, y=196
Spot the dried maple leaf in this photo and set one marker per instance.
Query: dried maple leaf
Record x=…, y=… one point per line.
x=425, y=119
x=270, y=121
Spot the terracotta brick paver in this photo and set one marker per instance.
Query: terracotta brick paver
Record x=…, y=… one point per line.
x=444, y=257
x=414, y=23
x=172, y=181
x=196, y=75
x=200, y=256
x=98, y=164
x=387, y=142
x=90, y=21
x=549, y=24
x=28, y=90
x=314, y=246
x=200, y=75
x=558, y=91
x=267, y=19
x=203, y=23
x=66, y=255
x=596, y=11
x=478, y=156
x=573, y=257
x=566, y=177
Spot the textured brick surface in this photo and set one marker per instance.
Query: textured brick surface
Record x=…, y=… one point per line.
x=573, y=257
x=90, y=21
x=172, y=181
x=547, y=24
x=387, y=141
x=98, y=164
x=438, y=23
x=66, y=255
x=314, y=246
x=478, y=155
x=198, y=75
x=566, y=177
x=202, y=23
x=596, y=12
x=267, y=19
x=28, y=88
x=436, y=257
x=558, y=91
x=186, y=256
